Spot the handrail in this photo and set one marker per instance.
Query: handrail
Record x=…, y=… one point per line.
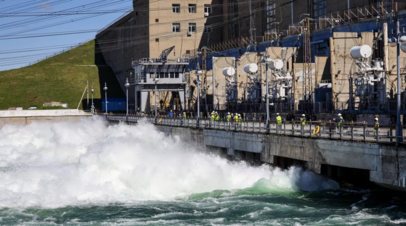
x=327, y=130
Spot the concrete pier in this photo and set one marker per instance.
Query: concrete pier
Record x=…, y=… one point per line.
x=382, y=164
x=25, y=117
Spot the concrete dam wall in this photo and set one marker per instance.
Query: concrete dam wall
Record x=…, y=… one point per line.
x=378, y=163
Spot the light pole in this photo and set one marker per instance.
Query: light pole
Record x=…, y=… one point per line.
x=198, y=73
x=266, y=61
x=156, y=80
x=401, y=43
x=105, y=95
x=127, y=84
x=92, y=108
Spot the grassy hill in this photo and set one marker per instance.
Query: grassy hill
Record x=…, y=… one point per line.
x=61, y=78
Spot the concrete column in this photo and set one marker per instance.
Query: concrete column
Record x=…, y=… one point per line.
x=182, y=99
x=230, y=151
x=136, y=99
x=144, y=100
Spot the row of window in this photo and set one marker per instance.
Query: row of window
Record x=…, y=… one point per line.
x=191, y=28
x=192, y=8
x=166, y=75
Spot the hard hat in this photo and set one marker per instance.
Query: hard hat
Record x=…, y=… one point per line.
x=228, y=112
x=232, y=114
x=376, y=119
x=303, y=115
x=277, y=113
x=339, y=114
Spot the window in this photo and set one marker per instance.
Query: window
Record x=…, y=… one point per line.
x=319, y=8
x=192, y=8
x=172, y=75
x=207, y=28
x=176, y=27
x=166, y=75
x=207, y=9
x=192, y=27
x=176, y=8
x=177, y=75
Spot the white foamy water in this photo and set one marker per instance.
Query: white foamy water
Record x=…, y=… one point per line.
x=90, y=162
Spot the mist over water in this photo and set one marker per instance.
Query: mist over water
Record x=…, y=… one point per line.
x=66, y=172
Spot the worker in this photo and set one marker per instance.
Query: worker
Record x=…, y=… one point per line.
x=239, y=120
x=212, y=117
x=184, y=117
x=236, y=120
x=376, y=127
x=303, y=123
x=180, y=119
x=217, y=116
x=229, y=116
x=278, y=122
x=170, y=114
x=339, y=121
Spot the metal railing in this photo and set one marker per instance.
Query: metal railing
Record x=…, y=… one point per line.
x=352, y=131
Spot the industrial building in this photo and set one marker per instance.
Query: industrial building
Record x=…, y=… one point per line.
x=311, y=40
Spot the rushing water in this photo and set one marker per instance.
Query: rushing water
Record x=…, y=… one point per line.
x=89, y=173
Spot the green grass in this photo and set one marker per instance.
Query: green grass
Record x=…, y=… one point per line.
x=61, y=78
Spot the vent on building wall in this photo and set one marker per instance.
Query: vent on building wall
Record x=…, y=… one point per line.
x=157, y=40
x=157, y=20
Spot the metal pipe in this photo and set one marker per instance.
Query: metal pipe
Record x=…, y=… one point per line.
x=156, y=111
x=105, y=96
x=92, y=100
x=126, y=101
x=267, y=97
x=198, y=101
x=398, y=126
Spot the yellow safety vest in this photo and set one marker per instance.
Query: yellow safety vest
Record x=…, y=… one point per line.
x=376, y=126
x=303, y=121
x=184, y=116
x=339, y=123
x=228, y=118
x=217, y=117
x=212, y=117
x=279, y=120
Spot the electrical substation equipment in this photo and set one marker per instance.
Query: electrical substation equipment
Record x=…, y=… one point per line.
x=370, y=79
x=231, y=85
x=254, y=83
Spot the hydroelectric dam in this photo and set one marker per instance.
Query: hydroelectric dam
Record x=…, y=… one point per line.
x=353, y=154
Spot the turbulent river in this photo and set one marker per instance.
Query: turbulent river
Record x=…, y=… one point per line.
x=91, y=173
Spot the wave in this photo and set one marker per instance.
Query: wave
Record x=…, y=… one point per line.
x=91, y=162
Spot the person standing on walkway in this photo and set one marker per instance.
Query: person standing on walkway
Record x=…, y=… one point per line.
x=236, y=120
x=229, y=118
x=339, y=121
x=376, y=127
x=278, y=122
x=212, y=116
x=184, y=117
x=239, y=120
x=303, y=123
x=170, y=114
x=180, y=119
